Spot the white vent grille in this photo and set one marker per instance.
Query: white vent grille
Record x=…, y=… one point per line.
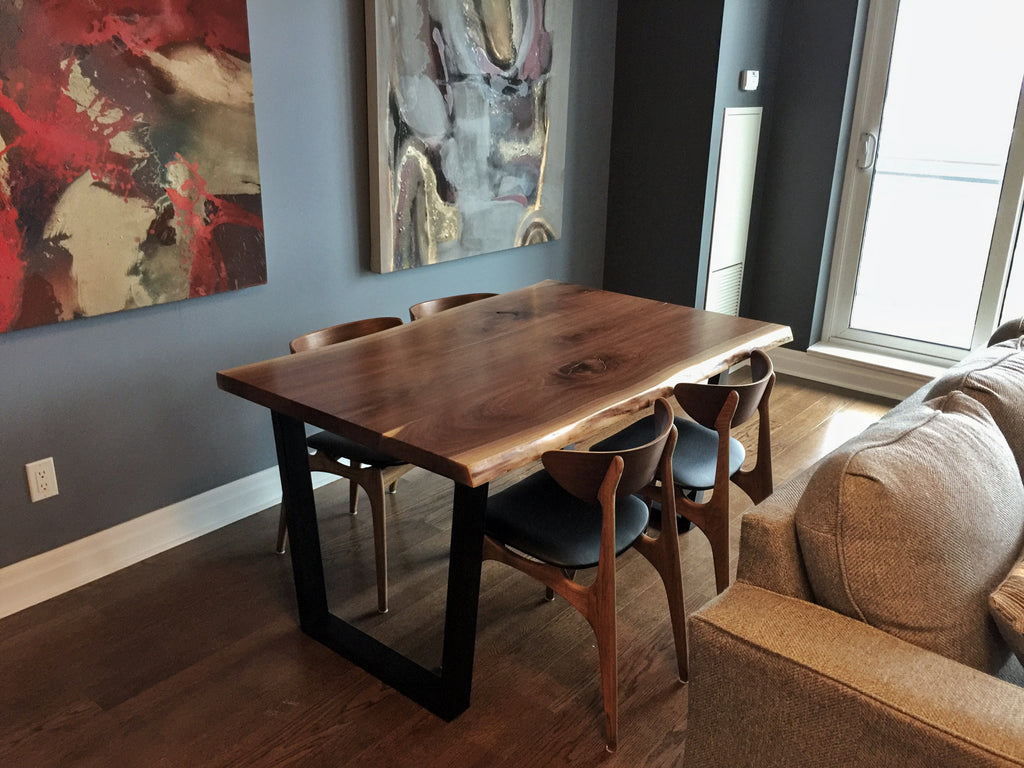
x=724, y=288
x=737, y=163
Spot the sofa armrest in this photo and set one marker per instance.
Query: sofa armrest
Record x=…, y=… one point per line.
x=776, y=681
x=769, y=552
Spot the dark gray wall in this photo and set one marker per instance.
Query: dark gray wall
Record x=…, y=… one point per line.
x=818, y=64
x=127, y=404
x=666, y=69
x=672, y=86
x=751, y=34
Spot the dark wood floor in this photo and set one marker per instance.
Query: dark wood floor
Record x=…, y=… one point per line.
x=194, y=657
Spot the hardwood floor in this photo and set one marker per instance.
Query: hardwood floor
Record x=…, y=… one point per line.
x=194, y=657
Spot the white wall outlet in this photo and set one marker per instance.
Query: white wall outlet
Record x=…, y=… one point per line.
x=42, y=479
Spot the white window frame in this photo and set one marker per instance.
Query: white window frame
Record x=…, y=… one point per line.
x=871, y=88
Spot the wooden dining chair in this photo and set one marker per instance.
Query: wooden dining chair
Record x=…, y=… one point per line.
x=707, y=457
x=432, y=307
x=580, y=512
x=360, y=465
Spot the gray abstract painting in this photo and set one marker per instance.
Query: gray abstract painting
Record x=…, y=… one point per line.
x=468, y=102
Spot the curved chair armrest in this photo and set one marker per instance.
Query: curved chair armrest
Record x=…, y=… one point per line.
x=777, y=681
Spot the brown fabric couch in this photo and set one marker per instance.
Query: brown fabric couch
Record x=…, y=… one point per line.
x=859, y=631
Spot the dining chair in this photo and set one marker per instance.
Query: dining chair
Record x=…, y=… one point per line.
x=433, y=306
x=579, y=512
x=360, y=465
x=707, y=457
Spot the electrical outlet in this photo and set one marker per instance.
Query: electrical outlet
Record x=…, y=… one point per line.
x=42, y=479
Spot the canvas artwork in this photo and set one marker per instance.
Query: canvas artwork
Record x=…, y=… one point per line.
x=128, y=164
x=468, y=105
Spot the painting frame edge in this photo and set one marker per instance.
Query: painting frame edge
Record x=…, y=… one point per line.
x=380, y=229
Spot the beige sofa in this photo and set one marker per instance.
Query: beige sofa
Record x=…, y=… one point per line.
x=862, y=627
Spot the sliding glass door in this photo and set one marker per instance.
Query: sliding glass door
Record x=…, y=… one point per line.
x=932, y=195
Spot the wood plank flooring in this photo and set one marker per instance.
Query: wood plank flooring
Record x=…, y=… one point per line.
x=194, y=657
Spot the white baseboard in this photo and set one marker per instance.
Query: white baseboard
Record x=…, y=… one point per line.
x=860, y=375
x=52, y=573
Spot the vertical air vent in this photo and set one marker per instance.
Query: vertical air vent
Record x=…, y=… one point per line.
x=724, y=287
x=737, y=165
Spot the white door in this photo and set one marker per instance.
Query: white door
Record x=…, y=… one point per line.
x=931, y=204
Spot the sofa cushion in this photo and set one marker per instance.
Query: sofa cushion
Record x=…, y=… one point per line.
x=910, y=526
x=1007, y=606
x=1011, y=330
x=995, y=378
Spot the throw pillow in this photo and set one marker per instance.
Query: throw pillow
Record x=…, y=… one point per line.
x=911, y=526
x=1007, y=607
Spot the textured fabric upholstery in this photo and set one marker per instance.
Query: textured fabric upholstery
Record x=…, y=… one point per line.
x=777, y=682
x=1011, y=330
x=995, y=378
x=897, y=530
x=768, y=530
x=778, y=679
x=1007, y=606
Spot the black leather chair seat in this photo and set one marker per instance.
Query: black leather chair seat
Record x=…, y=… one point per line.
x=696, y=454
x=538, y=517
x=338, y=447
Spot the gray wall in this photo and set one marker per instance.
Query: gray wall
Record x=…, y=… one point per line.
x=813, y=100
x=673, y=80
x=751, y=34
x=666, y=65
x=127, y=404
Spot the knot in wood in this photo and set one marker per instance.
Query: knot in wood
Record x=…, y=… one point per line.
x=591, y=366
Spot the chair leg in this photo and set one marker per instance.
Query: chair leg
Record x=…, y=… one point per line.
x=668, y=567
x=672, y=578
x=375, y=490
x=717, y=532
x=604, y=630
x=712, y=517
x=663, y=553
x=353, y=495
x=282, y=531
x=549, y=593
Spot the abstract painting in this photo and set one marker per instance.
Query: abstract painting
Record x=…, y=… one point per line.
x=468, y=102
x=128, y=165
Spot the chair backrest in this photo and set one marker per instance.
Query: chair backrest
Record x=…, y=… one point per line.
x=343, y=332
x=581, y=473
x=432, y=307
x=703, y=401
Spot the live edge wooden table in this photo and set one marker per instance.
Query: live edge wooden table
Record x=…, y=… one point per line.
x=470, y=394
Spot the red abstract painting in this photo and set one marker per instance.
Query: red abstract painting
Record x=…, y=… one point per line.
x=128, y=166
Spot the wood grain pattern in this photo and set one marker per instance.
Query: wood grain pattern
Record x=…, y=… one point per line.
x=487, y=387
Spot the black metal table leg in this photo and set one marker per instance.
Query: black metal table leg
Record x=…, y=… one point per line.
x=303, y=532
x=446, y=694
x=468, y=508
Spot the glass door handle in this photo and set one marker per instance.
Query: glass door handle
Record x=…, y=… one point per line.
x=866, y=150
